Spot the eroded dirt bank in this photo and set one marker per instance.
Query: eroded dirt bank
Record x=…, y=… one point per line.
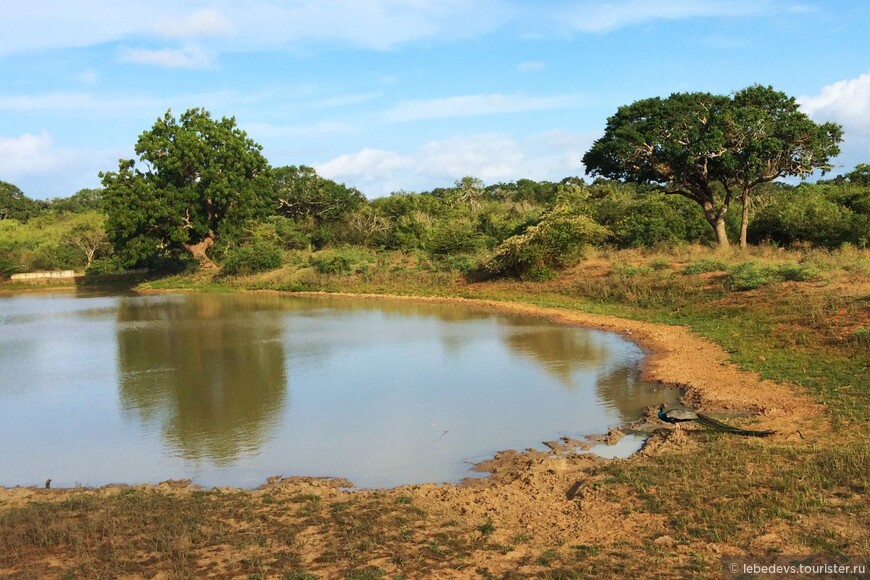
x=533, y=504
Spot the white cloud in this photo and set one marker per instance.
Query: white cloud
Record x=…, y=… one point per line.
x=208, y=22
x=846, y=102
x=30, y=154
x=472, y=105
x=42, y=169
x=190, y=56
x=374, y=24
x=490, y=157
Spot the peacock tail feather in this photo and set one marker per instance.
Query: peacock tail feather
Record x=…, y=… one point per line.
x=716, y=425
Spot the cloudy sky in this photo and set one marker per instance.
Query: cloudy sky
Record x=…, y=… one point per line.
x=388, y=95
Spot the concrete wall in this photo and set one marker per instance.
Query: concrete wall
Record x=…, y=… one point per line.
x=43, y=275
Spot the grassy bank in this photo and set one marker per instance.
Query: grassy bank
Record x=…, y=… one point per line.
x=797, y=317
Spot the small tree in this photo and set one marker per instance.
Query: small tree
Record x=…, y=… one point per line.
x=202, y=178
x=767, y=137
x=88, y=235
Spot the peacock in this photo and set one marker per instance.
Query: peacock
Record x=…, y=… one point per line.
x=677, y=416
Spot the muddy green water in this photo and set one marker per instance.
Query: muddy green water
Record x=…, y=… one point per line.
x=228, y=389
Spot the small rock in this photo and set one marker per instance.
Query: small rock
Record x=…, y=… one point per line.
x=666, y=541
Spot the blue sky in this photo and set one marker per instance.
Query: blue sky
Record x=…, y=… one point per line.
x=390, y=95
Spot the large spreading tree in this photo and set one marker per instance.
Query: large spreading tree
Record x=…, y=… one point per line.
x=200, y=178
x=712, y=148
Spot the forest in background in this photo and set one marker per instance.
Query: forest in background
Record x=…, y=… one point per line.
x=459, y=228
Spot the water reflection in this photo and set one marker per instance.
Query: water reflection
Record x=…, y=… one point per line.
x=144, y=388
x=559, y=350
x=210, y=370
x=621, y=389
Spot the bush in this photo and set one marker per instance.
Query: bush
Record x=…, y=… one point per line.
x=797, y=272
x=556, y=242
x=704, y=266
x=257, y=257
x=105, y=266
x=332, y=264
x=454, y=237
x=342, y=260
x=7, y=268
x=649, y=220
x=807, y=215
x=750, y=275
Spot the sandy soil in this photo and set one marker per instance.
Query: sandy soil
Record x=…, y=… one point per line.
x=549, y=496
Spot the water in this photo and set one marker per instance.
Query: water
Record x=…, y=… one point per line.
x=230, y=389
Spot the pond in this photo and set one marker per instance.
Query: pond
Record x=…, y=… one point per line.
x=229, y=389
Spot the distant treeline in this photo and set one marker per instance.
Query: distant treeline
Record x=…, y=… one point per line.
x=524, y=228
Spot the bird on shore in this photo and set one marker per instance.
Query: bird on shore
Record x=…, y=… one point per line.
x=677, y=416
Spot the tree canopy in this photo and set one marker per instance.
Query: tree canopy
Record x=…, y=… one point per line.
x=711, y=148
x=299, y=193
x=201, y=178
x=15, y=205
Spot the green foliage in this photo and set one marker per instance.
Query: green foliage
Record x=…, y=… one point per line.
x=53, y=242
x=556, y=242
x=300, y=192
x=277, y=230
x=105, y=266
x=811, y=214
x=453, y=236
x=260, y=256
x=15, y=205
x=81, y=201
x=752, y=274
x=203, y=178
x=704, y=266
x=343, y=260
x=645, y=219
x=332, y=264
x=7, y=268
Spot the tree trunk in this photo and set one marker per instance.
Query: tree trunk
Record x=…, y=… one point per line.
x=721, y=234
x=198, y=252
x=716, y=219
x=744, y=222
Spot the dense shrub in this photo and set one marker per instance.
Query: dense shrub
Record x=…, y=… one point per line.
x=7, y=267
x=808, y=215
x=704, y=266
x=105, y=266
x=750, y=275
x=250, y=259
x=454, y=236
x=648, y=220
x=332, y=264
x=556, y=242
x=341, y=260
